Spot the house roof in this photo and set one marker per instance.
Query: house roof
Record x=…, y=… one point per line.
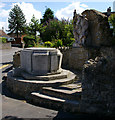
x=14, y=35
x=106, y=13
x=3, y=34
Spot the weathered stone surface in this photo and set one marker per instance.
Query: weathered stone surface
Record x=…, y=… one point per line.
x=98, y=28
x=63, y=74
x=16, y=59
x=74, y=58
x=74, y=94
x=41, y=61
x=92, y=29
x=98, y=83
x=80, y=30
x=55, y=103
x=22, y=86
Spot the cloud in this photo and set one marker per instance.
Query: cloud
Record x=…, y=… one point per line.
x=3, y=16
x=3, y=24
x=28, y=10
x=2, y=5
x=83, y=5
x=67, y=12
x=4, y=13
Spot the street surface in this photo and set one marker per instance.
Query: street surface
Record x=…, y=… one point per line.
x=7, y=54
x=14, y=107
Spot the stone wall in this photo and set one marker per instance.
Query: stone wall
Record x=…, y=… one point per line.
x=98, y=84
x=16, y=59
x=74, y=58
x=98, y=77
x=5, y=45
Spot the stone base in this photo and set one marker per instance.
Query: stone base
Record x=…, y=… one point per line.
x=52, y=91
x=20, y=85
x=60, y=75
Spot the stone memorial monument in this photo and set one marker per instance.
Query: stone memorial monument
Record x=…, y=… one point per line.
x=41, y=61
x=39, y=79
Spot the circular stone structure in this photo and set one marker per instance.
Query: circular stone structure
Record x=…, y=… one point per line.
x=41, y=61
x=41, y=69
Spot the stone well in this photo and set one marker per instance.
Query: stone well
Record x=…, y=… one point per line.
x=41, y=61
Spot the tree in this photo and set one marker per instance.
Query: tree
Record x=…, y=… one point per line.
x=57, y=30
x=48, y=15
x=48, y=32
x=34, y=26
x=112, y=21
x=16, y=20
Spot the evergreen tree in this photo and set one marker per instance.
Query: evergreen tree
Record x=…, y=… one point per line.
x=48, y=15
x=33, y=26
x=16, y=20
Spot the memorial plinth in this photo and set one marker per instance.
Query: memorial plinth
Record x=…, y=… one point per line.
x=41, y=61
x=40, y=69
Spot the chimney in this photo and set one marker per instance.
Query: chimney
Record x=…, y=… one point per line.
x=3, y=28
x=108, y=11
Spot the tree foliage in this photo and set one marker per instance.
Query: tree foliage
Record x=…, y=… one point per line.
x=112, y=21
x=29, y=40
x=58, y=30
x=16, y=20
x=48, y=15
x=33, y=27
x=3, y=40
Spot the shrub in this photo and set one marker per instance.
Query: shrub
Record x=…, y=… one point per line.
x=48, y=44
x=29, y=40
x=111, y=19
x=30, y=45
x=69, y=42
x=58, y=43
x=3, y=40
x=72, y=40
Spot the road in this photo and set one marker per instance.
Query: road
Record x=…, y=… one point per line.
x=12, y=105
x=6, y=55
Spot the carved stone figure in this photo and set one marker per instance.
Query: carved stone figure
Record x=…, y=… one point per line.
x=91, y=29
x=80, y=29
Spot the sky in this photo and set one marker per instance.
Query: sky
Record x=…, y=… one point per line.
x=61, y=8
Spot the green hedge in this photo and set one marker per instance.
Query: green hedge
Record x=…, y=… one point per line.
x=3, y=40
